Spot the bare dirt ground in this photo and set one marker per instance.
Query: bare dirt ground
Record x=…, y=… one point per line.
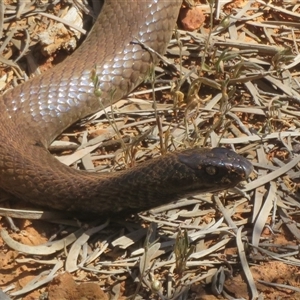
x=233, y=82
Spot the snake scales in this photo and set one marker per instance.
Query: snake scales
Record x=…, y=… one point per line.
x=34, y=113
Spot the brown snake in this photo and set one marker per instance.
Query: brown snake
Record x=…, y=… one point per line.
x=34, y=113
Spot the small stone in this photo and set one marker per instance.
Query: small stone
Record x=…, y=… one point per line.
x=191, y=19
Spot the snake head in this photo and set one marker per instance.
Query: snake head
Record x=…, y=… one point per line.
x=215, y=169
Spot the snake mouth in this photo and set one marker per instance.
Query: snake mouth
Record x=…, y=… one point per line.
x=247, y=168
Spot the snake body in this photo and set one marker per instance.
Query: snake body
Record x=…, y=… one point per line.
x=34, y=113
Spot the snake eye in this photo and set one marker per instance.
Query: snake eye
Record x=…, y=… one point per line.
x=210, y=170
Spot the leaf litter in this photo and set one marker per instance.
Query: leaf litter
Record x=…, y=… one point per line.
x=233, y=83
